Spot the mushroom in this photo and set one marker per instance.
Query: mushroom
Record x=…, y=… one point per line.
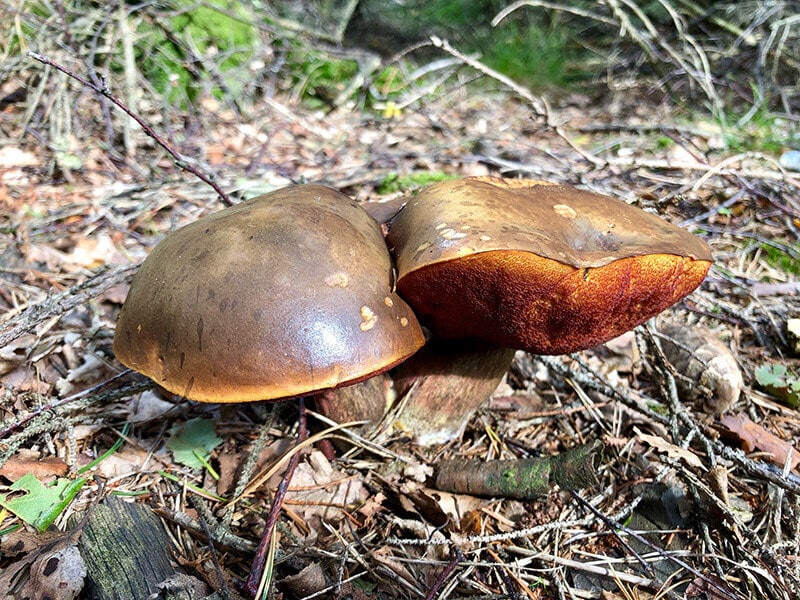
x=529, y=265
x=284, y=295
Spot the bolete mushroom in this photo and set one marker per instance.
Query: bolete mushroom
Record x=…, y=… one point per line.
x=528, y=265
x=284, y=295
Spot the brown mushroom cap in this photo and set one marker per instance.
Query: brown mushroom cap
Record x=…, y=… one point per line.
x=284, y=295
x=541, y=267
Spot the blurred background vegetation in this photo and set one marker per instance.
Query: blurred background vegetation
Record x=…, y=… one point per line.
x=736, y=64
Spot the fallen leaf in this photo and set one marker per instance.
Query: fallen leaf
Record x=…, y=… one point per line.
x=709, y=587
x=13, y=156
x=94, y=252
x=13, y=354
x=19, y=542
x=40, y=505
x=320, y=490
x=30, y=462
x=149, y=406
x=123, y=462
x=57, y=575
x=754, y=437
x=191, y=443
x=672, y=450
x=782, y=383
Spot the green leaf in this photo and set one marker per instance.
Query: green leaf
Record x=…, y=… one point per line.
x=192, y=443
x=40, y=505
x=779, y=381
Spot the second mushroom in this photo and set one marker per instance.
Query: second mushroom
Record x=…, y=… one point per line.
x=522, y=264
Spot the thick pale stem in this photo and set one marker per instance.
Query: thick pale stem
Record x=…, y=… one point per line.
x=366, y=401
x=442, y=386
x=438, y=390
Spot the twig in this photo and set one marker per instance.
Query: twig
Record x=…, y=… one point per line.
x=552, y=6
x=539, y=105
x=136, y=387
x=725, y=593
x=59, y=304
x=256, y=571
x=219, y=535
x=521, y=478
x=104, y=91
x=456, y=558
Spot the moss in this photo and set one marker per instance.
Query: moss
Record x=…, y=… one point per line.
x=783, y=260
x=319, y=79
x=401, y=183
x=217, y=31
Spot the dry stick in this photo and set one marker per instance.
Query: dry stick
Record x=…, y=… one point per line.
x=539, y=105
x=136, y=387
x=59, y=304
x=198, y=504
x=218, y=535
x=106, y=93
x=552, y=6
x=614, y=526
x=456, y=558
x=521, y=478
x=252, y=584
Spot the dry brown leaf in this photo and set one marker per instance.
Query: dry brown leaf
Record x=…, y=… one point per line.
x=57, y=575
x=672, y=450
x=371, y=507
x=29, y=461
x=126, y=461
x=13, y=156
x=754, y=437
x=320, y=490
x=710, y=588
x=94, y=252
x=54, y=570
x=19, y=542
x=13, y=354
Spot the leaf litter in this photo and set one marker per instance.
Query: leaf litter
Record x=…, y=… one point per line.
x=368, y=515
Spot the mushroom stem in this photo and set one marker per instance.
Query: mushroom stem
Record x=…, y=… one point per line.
x=366, y=401
x=442, y=386
x=438, y=390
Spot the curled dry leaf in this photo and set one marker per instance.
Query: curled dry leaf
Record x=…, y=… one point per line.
x=709, y=373
x=309, y=581
x=672, y=450
x=58, y=574
x=754, y=437
x=30, y=461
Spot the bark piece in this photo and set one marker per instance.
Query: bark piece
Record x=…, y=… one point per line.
x=126, y=551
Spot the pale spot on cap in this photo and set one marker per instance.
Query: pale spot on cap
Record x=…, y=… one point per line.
x=563, y=210
x=337, y=280
x=368, y=318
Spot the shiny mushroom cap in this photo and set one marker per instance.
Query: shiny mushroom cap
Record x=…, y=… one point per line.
x=536, y=266
x=284, y=295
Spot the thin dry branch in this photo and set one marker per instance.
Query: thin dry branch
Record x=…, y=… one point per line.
x=539, y=105
x=104, y=91
x=59, y=304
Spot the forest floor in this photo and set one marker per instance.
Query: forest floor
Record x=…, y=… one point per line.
x=688, y=503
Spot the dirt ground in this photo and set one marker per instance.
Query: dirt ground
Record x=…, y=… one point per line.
x=689, y=501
